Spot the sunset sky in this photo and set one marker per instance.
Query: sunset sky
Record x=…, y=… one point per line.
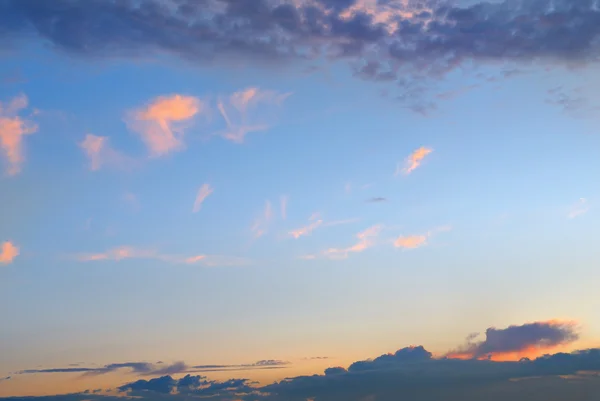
x=263, y=189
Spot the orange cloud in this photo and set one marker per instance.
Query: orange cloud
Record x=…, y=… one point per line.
x=261, y=224
x=120, y=253
x=160, y=122
x=101, y=154
x=410, y=242
x=12, y=130
x=203, y=193
x=247, y=111
x=413, y=161
x=386, y=14
x=366, y=239
x=9, y=252
x=419, y=240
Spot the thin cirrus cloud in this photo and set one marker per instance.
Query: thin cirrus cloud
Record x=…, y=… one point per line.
x=366, y=239
x=128, y=252
x=261, y=224
x=579, y=209
x=314, y=222
x=13, y=128
x=100, y=154
x=283, y=203
x=204, y=192
x=418, y=240
x=248, y=110
x=162, y=122
x=8, y=252
x=413, y=161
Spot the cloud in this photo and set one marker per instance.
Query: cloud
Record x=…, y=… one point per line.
x=9, y=252
x=366, y=239
x=306, y=230
x=12, y=130
x=376, y=200
x=410, y=242
x=418, y=240
x=413, y=161
x=128, y=252
x=514, y=342
x=283, y=206
x=579, y=209
x=260, y=226
x=382, y=41
x=162, y=122
x=248, y=111
x=204, y=192
x=101, y=154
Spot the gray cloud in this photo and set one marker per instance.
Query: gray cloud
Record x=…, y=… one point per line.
x=376, y=200
x=428, y=37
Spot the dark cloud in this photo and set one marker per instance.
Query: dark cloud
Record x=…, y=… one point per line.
x=160, y=368
x=409, y=373
x=429, y=36
x=536, y=336
x=376, y=200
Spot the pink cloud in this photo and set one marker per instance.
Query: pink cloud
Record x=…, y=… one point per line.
x=283, y=206
x=306, y=230
x=12, y=130
x=248, y=111
x=9, y=252
x=204, y=192
x=162, y=122
x=413, y=161
x=127, y=252
x=366, y=239
x=418, y=240
x=101, y=154
x=260, y=226
x=410, y=242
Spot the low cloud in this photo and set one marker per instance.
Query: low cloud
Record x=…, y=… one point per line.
x=8, y=253
x=13, y=128
x=523, y=341
x=162, y=122
x=249, y=110
x=413, y=161
x=204, y=192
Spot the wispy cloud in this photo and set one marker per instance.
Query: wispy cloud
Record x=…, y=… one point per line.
x=306, y=230
x=260, y=226
x=128, y=252
x=366, y=239
x=413, y=161
x=101, y=154
x=249, y=110
x=204, y=192
x=9, y=252
x=12, y=130
x=132, y=200
x=162, y=122
x=578, y=209
x=418, y=240
x=283, y=201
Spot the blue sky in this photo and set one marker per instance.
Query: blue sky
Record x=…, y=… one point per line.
x=109, y=260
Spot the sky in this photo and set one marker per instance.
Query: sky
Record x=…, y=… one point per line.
x=226, y=198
